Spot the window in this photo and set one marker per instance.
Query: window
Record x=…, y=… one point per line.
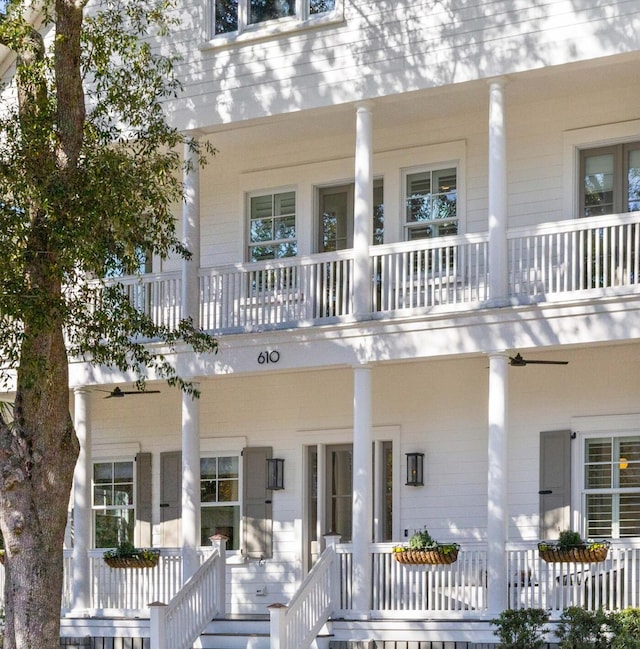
x=236, y=16
x=335, y=220
x=220, y=499
x=612, y=486
x=113, y=503
x=610, y=180
x=431, y=203
x=272, y=226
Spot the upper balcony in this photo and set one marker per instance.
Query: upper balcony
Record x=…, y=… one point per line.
x=564, y=261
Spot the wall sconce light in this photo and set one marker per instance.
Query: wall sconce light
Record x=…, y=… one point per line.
x=624, y=463
x=275, y=473
x=415, y=469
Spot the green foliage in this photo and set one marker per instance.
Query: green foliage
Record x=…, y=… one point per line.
x=582, y=629
x=68, y=217
x=568, y=539
x=126, y=550
x=421, y=540
x=521, y=629
x=625, y=626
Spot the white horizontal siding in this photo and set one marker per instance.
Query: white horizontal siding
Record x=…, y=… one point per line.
x=386, y=49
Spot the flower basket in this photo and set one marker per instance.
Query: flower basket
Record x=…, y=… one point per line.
x=148, y=561
x=594, y=553
x=433, y=557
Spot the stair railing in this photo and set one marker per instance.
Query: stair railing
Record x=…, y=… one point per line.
x=297, y=623
x=178, y=624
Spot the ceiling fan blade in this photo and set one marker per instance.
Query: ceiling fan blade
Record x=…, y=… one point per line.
x=117, y=392
x=518, y=361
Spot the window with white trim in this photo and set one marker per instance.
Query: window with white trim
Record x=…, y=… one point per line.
x=610, y=179
x=220, y=499
x=272, y=226
x=237, y=16
x=611, y=486
x=431, y=202
x=113, y=503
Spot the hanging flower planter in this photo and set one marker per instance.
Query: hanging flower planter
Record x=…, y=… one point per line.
x=443, y=555
x=126, y=556
x=571, y=548
x=422, y=549
x=587, y=553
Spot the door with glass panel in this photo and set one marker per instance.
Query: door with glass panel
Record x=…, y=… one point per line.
x=329, y=491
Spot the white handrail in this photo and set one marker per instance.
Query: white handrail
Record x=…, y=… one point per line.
x=298, y=623
x=178, y=624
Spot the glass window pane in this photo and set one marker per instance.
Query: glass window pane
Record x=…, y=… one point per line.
x=228, y=467
x=285, y=204
x=226, y=16
x=599, y=515
x=261, y=10
x=227, y=491
x=633, y=181
x=629, y=515
x=321, y=6
x=285, y=227
x=598, y=184
x=208, y=491
x=261, y=207
x=102, y=472
x=102, y=496
x=113, y=526
x=123, y=472
x=598, y=450
x=208, y=467
x=221, y=520
x=261, y=230
x=378, y=213
x=123, y=495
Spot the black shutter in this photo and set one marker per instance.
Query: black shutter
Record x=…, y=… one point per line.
x=256, y=506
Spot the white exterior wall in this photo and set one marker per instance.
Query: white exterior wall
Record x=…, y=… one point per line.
x=436, y=407
x=386, y=48
x=537, y=164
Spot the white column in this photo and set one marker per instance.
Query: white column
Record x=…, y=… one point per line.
x=80, y=584
x=191, y=238
x=363, y=210
x=497, y=521
x=362, y=498
x=190, y=483
x=498, y=269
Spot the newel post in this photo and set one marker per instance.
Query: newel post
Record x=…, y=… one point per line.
x=158, y=623
x=331, y=541
x=278, y=614
x=219, y=542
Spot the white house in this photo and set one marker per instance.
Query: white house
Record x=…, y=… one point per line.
x=408, y=197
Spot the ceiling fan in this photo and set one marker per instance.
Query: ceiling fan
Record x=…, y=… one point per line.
x=117, y=392
x=518, y=361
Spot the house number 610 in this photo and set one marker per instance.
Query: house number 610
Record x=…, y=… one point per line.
x=268, y=357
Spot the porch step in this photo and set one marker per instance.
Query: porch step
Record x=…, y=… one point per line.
x=244, y=633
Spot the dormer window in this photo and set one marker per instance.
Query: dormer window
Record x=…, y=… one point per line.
x=238, y=16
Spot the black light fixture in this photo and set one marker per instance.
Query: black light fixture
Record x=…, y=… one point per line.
x=275, y=473
x=415, y=469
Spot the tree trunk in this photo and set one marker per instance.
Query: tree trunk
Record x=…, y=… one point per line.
x=39, y=453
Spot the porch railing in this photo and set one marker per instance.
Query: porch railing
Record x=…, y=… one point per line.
x=613, y=584
x=416, y=590
x=593, y=253
x=546, y=262
x=182, y=620
x=298, y=623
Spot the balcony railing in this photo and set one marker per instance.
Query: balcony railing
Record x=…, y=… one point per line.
x=594, y=256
